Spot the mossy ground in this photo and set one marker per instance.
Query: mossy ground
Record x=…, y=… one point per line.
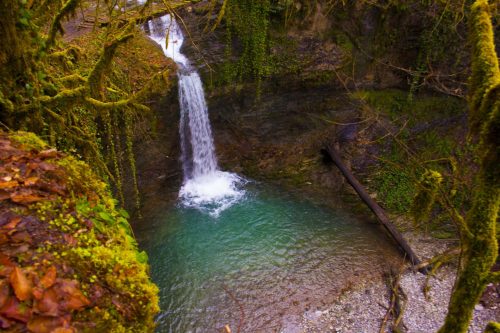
x=76, y=263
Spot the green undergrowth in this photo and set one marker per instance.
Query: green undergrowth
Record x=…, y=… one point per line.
x=97, y=246
x=427, y=137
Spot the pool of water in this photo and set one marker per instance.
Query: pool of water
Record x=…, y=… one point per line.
x=259, y=265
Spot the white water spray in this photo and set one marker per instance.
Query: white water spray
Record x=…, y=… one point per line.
x=205, y=187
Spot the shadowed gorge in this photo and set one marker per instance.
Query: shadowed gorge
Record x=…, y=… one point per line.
x=235, y=166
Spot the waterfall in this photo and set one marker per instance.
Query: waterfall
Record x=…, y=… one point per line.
x=205, y=187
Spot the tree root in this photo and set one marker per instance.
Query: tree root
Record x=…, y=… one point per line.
x=397, y=304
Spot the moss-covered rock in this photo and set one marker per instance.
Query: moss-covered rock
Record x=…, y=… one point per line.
x=68, y=258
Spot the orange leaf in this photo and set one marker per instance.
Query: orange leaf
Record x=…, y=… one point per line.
x=63, y=330
x=44, y=324
x=49, y=278
x=37, y=293
x=31, y=181
x=25, y=197
x=13, y=223
x=50, y=153
x=5, y=260
x=20, y=283
x=8, y=184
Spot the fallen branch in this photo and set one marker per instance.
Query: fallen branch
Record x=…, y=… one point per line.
x=375, y=208
x=242, y=311
x=443, y=257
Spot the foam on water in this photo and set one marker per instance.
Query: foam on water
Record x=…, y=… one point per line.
x=212, y=193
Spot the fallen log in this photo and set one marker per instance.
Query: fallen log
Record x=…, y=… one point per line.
x=375, y=208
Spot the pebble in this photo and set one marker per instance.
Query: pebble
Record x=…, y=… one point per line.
x=363, y=308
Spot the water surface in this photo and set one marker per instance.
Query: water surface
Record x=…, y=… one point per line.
x=260, y=264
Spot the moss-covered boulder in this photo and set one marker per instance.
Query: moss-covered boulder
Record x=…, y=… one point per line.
x=68, y=258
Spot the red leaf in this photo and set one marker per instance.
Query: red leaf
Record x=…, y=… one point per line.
x=5, y=260
x=70, y=240
x=49, y=304
x=73, y=297
x=5, y=323
x=49, y=278
x=4, y=195
x=37, y=293
x=46, y=166
x=21, y=237
x=4, y=292
x=20, y=283
x=15, y=310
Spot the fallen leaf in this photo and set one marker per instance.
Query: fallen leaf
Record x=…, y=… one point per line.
x=49, y=153
x=3, y=238
x=70, y=240
x=20, y=283
x=21, y=237
x=37, y=293
x=46, y=166
x=5, y=260
x=49, y=278
x=6, y=265
x=7, y=178
x=25, y=197
x=4, y=195
x=73, y=297
x=63, y=330
x=31, y=181
x=5, y=323
x=48, y=304
x=13, y=223
x=15, y=310
x=44, y=324
x=4, y=292
x=8, y=184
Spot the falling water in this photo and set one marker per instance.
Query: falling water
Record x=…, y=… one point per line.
x=205, y=187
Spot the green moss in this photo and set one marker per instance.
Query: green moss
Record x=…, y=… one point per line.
x=395, y=104
x=28, y=140
x=395, y=188
x=425, y=199
x=492, y=328
x=479, y=239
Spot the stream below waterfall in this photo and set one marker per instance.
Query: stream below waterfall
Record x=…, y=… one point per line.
x=236, y=252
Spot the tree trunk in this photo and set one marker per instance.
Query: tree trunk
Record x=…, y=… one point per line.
x=480, y=247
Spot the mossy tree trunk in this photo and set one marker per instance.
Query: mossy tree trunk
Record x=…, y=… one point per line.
x=11, y=52
x=480, y=247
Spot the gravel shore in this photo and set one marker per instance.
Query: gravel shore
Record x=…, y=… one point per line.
x=362, y=309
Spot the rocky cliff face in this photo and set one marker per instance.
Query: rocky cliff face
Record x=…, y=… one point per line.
x=322, y=62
